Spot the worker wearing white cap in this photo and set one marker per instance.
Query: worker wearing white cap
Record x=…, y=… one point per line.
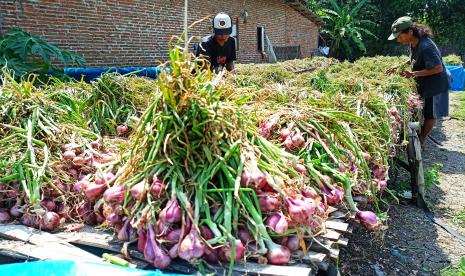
x=220, y=47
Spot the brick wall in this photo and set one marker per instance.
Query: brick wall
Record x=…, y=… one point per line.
x=137, y=32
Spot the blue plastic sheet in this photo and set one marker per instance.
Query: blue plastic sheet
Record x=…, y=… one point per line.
x=89, y=74
x=70, y=268
x=458, y=77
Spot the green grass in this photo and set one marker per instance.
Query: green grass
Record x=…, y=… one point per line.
x=458, y=217
x=432, y=175
x=458, y=270
x=459, y=107
x=401, y=186
x=431, y=179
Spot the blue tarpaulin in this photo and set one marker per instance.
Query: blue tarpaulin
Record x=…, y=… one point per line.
x=89, y=74
x=70, y=268
x=458, y=77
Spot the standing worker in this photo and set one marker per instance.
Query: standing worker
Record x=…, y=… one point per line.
x=430, y=74
x=220, y=47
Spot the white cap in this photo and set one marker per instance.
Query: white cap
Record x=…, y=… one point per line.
x=222, y=24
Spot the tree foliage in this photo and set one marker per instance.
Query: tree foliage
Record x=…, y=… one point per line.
x=25, y=54
x=345, y=29
x=445, y=17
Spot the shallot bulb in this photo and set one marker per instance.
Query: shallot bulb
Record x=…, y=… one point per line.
x=259, y=178
x=30, y=220
x=288, y=143
x=382, y=184
x=298, y=140
x=268, y=202
x=293, y=243
x=309, y=192
x=244, y=235
x=123, y=233
x=333, y=197
x=4, y=216
x=239, y=251
x=81, y=185
x=16, y=211
x=174, y=235
x=172, y=212
x=278, y=254
x=69, y=155
x=284, y=133
x=300, y=209
x=300, y=169
x=378, y=172
x=122, y=129
x=79, y=161
x=50, y=221
x=366, y=156
x=93, y=191
x=86, y=213
x=206, y=233
x=138, y=191
x=191, y=246
x=95, y=145
x=48, y=204
x=367, y=219
x=158, y=188
x=13, y=192
x=153, y=252
x=211, y=255
x=266, y=128
x=277, y=223
x=141, y=238
x=104, y=178
x=114, y=194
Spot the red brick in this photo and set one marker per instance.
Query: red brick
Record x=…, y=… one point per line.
x=137, y=32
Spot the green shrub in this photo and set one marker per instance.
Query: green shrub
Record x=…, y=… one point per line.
x=453, y=60
x=25, y=54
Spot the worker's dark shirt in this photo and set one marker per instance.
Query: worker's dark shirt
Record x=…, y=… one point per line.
x=217, y=55
x=426, y=56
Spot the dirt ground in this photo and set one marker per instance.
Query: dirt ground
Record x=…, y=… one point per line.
x=411, y=244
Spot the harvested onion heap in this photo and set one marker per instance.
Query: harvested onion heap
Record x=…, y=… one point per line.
x=200, y=182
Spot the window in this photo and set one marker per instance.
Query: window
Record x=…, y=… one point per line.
x=261, y=39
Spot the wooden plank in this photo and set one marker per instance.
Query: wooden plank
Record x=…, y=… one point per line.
x=310, y=256
x=332, y=235
x=7, y=248
x=321, y=260
x=45, y=245
x=181, y=266
x=334, y=253
x=343, y=242
x=342, y=215
x=320, y=248
x=265, y=270
x=350, y=229
x=337, y=225
x=338, y=215
x=90, y=236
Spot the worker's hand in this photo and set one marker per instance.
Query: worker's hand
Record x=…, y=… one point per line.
x=391, y=70
x=407, y=74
